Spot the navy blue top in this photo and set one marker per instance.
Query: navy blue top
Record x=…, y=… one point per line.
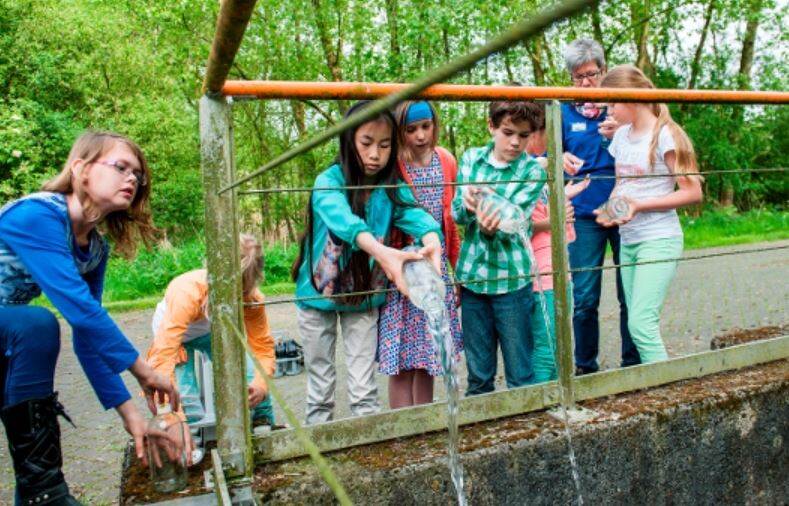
x=38, y=252
x=581, y=138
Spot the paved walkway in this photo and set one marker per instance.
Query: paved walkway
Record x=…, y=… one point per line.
x=707, y=298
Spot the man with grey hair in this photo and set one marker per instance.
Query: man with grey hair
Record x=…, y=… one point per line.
x=586, y=134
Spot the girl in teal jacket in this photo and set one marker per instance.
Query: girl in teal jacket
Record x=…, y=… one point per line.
x=344, y=251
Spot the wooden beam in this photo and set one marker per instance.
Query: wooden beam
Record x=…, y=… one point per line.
x=224, y=288
x=230, y=26
x=283, y=444
x=562, y=304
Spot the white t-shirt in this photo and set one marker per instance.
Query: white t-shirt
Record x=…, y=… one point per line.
x=632, y=159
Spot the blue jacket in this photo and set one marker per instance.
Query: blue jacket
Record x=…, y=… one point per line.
x=581, y=138
x=38, y=253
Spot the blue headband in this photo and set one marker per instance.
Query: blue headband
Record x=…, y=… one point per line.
x=418, y=111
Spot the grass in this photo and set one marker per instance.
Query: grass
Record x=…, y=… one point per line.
x=140, y=283
x=725, y=227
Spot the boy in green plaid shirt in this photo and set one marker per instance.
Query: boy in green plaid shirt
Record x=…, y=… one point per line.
x=494, y=266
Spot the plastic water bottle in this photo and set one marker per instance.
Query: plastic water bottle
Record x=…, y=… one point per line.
x=167, y=458
x=426, y=289
x=512, y=217
x=614, y=208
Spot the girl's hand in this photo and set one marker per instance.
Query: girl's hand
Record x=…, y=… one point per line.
x=155, y=385
x=608, y=127
x=136, y=426
x=456, y=288
x=569, y=212
x=432, y=250
x=488, y=219
x=572, y=190
x=571, y=163
x=256, y=394
x=391, y=261
x=470, y=198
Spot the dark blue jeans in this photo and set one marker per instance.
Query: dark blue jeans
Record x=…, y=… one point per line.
x=588, y=250
x=489, y=320
x=29, y=343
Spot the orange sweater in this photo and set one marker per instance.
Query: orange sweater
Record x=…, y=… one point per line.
x=183, y=305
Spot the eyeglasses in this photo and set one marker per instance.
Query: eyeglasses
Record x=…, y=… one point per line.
x=124, y=171
x=592, y=76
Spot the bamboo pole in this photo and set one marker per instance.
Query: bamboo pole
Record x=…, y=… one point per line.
x=230, y=26
x=306, y=90
x=561, y=287
x=224, y=288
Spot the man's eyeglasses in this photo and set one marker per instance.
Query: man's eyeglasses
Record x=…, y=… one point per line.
x=124, y=171
x=592, y=76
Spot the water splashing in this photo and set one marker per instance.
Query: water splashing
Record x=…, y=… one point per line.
x=427, y=292
x=514, y=221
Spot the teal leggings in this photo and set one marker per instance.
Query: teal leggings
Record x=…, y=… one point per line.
x=645, y=290
x=186, y=379
x=543, y=354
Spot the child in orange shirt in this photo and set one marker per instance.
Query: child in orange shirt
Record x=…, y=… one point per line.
x=181, y=326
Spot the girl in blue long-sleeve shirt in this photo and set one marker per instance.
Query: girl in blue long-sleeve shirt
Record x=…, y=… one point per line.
x=49, y=243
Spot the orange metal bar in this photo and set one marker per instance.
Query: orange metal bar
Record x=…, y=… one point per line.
x=472, y=93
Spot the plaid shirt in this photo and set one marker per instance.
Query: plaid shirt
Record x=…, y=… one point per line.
x=485, y=258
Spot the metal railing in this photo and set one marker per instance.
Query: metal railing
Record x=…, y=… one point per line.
x=236, y=448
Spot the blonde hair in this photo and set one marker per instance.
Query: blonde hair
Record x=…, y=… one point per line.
x=251, y=263
x=125, y=227
x=629, y=76
x=401, y=111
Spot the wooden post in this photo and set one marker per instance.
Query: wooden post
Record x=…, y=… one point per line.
x=561, y=286
x=224, y=289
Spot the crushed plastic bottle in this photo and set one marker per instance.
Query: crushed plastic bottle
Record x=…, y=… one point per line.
x=512, y=217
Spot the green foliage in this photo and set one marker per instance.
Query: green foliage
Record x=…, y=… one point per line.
x=149, y=273
x=135, y=66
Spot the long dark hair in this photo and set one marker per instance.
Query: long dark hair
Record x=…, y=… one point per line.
x=353, y=172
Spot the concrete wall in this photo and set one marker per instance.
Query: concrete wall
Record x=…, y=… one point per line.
x=716, y=440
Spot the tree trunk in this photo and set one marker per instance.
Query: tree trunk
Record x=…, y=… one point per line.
x=748, y=44
x=597, y=28
x=332, y=54
x=695, y=66
x=534, y=50
x=638, y=12
x=394, y=45
x=743, y=83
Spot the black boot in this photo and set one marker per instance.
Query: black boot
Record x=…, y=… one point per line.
x=34, y=439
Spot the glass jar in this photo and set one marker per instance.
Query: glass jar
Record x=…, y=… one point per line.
x=166, y=447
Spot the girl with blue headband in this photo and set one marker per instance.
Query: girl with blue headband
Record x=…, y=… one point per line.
x=405, y=349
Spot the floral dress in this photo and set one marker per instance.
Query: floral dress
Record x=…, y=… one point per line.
x=404, y=342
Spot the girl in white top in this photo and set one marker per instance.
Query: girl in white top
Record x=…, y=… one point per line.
x=649, y=144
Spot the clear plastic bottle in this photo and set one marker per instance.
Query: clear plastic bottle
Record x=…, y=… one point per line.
x=426, y=289
x=614, y=208
x=513, y=219
x=167, y=459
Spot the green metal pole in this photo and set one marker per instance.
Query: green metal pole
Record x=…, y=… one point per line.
x=561, y=286
x=224, y=289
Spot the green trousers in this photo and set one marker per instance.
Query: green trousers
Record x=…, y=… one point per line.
x=645, y=290
x=544, y=352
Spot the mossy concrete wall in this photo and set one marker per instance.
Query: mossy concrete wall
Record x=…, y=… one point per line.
x=715, y=440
